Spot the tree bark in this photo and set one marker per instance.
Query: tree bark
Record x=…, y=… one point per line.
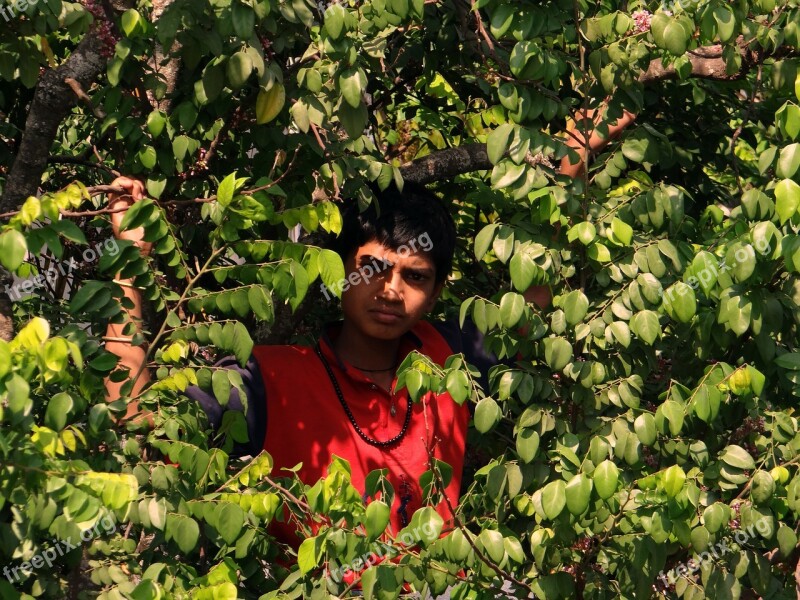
x=160, y=62
x=52, y=102
x=6, y=322
x=707, y=63
x=447, y=163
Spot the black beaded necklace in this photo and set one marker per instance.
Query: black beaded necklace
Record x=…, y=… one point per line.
x=349, y=413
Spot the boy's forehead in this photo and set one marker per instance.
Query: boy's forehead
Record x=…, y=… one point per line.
x=378, y=250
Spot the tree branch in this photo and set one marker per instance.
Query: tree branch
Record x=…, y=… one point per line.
x=447, y=163
x=52, y=102
x=707, y=63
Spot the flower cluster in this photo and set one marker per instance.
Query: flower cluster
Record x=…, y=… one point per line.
x=102, y=27
x=750, y=425
x=641, y=19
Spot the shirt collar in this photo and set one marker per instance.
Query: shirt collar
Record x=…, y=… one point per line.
x=410, y=341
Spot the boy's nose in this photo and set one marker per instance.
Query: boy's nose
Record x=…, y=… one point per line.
x=393, y=285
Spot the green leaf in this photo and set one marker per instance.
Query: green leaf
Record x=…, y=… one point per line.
x=146, y=590
x=334, y=20
x=350, y=85
x=645, y=325
x=705, y=270
x=557, y=353
x=243, y=19
x=553, y=498
x=487, y=415
x=376, y=518
x=622, y=231
x=578, y=492
x=762, y=488
x=241, y=343
x=458, y=386
x=12, y=249
x=673, y=412
x=309, y=554
x=527, y=444
x=788, y=161
x=130, y=21
x=522, y=270
x=715, y=516
x=483, y=241
x=621, y=333
x=498, y=141
x=260, y=301
x=505, y=174
x=58, y=409
x=575, y=306
x=221, y=386
x=586, y=232
x=226, y=190
x=354, y=120
x=156, y=122
x=492, y=542
x=738, y=457
x=787, y=195
x=230, y=521
x=331, y=270
x=147, y=156
x=69, y=230
x=673, y=480
x=676, y=39
x=605, y=478
x=512, y=307
x=645, y=428
x=186, y=534
x=680, y=302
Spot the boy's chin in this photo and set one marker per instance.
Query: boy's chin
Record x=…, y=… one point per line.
x=384, y=331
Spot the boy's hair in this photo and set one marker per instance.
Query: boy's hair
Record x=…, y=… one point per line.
x=400, y=219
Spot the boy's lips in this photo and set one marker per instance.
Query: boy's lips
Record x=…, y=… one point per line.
x=386, y=316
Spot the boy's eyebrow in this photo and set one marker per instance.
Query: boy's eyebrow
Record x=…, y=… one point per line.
x=382, y=262
x=419, y=270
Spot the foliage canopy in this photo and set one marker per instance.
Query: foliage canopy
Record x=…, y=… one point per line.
x=650, y=416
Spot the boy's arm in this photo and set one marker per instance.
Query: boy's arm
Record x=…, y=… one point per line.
x=576, y=138
x=131, y=357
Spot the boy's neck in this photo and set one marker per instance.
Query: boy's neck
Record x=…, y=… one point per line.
x=365, y=352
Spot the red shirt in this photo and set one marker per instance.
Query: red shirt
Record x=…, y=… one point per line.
x=307, y=424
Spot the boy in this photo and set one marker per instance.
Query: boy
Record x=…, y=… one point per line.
x=308, y=404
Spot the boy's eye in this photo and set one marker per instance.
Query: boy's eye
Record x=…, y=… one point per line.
x=418, y=277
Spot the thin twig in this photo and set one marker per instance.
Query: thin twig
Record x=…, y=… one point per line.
x=467, y=534
x=76, y=88
x=77, y=160
x=482, y=30
x=97, y=190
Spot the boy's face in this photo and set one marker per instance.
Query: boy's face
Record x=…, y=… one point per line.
x=389, y=290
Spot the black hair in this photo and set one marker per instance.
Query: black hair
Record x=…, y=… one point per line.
x=399, y=218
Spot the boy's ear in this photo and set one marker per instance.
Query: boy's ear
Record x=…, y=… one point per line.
x=434, y=297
